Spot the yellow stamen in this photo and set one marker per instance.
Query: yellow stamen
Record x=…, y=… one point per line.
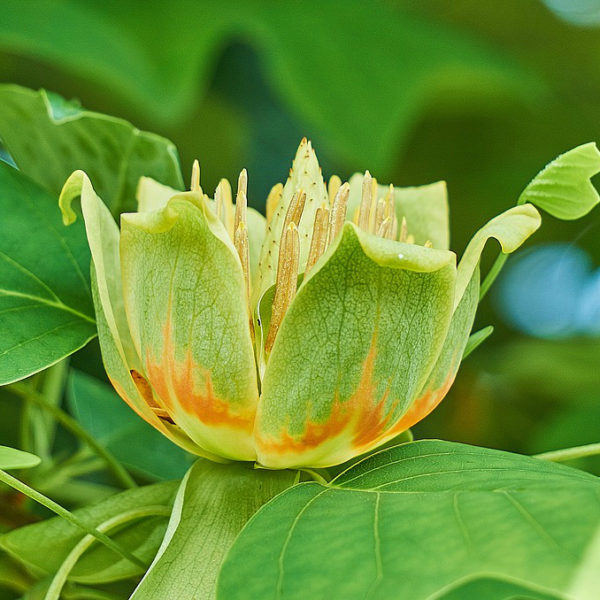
x=403, y=230
x=295, y=210
x=385, y=227
x=380, y=215
x=195, y=183
x=356, y=214
x=410, y=239
x=243, y=182
x=223, y=192
x=373, y=208
x=319, y=238
x=273, y=200
x=365, y=203
x=428, y=244
x=332, y=188
x=287, y=280
x=338, y=212
x=394, y=228
x=242, y=247
x=241, y=209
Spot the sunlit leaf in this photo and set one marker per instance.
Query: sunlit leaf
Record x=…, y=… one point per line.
x=417, y=520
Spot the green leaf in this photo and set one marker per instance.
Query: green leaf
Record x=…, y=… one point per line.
x=425, y=208
x=45, y=545
x=189, y=320
x=11, y=458
x=423, y=518
x=354, y=350
x=328, y=84
x=49, y=138
x=131, y=440
x=46, y=308
x=213, y=504
x=563, y=187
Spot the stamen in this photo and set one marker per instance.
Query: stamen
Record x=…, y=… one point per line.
x=365, y=203
x=287, y=280
x=338, y=212
x=243, y=250
x=223, y=192
x=195, y=183
x=403, y=230
x=319, y=237
x=241, y=209
x=428, y=244
x=295, y=210
x=332, y=188
x=356, y=215
x=373, y=208
x=273, y=200
x=385, y=227
x=394, y=229
x=410, y=239
x=243, y=182
x=380, y=215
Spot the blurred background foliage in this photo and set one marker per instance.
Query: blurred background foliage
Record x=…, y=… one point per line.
x=481, y=94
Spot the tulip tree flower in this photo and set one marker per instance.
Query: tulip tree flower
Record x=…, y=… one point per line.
x=299, y=340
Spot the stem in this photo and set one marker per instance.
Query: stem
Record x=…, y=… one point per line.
x=76, y=429
x=492, y=274
x=69, y=516
x=570, y=453
x=78, y=550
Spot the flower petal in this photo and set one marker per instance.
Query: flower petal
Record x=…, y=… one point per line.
x=118, y=352
x=152, y=195
x=354, y=350
x=425, y=208
x=188, y=314
x=511, y=229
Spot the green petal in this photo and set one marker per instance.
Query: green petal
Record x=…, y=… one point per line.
x=511, y=229
x=185, y=301
x=152, y=195
x=563, y=188
x=118, y=352
x=305, y=175
x=354, y=350
x=425, y=208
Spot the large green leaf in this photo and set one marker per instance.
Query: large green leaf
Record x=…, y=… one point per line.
x=130, y=439
x=49, y=138
x=45, y=545
x=393, y=66
x=213, y=504
x=46, y=308
x=563, y=187
x=419, y=520
x=354, y=350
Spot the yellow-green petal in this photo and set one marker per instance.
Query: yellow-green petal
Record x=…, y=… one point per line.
x=118, y=353
x=354, y=350
x=511, y=229
x=185, y=300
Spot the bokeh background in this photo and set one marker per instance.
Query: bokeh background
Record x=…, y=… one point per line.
x=479, y=93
